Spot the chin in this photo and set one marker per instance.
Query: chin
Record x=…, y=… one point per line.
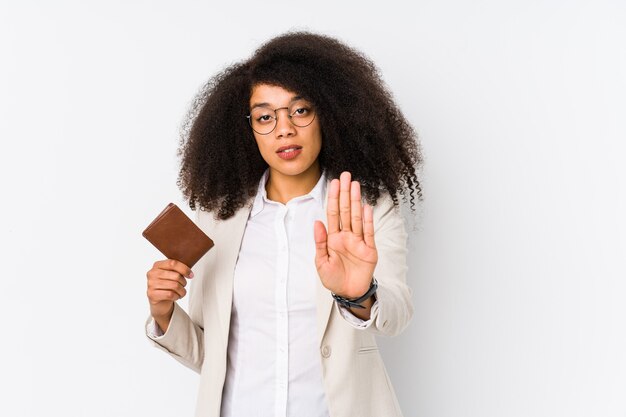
x=290, y=172
x=293, y=170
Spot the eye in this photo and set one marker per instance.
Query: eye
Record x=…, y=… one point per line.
x=300, y=111
x=262, y=117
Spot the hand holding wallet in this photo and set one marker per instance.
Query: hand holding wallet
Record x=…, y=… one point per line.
x=177, y=237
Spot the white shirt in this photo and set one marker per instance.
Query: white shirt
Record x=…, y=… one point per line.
x=274, y=366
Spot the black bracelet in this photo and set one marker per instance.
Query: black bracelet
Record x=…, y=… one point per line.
x=356, y=302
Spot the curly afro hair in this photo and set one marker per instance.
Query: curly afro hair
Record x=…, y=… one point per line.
x=363, y=130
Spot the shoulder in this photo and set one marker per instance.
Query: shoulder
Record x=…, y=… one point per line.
x=210, y=223
x=385, y=207
x=206, y=218
x=388, y=219
x=384, y=203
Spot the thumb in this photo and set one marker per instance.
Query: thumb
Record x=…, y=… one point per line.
x=321, y=250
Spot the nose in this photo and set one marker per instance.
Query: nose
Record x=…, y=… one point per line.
x=284, y=127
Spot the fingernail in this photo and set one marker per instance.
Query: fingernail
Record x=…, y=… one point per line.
x=191, y=274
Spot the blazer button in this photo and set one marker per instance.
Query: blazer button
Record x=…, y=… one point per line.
x=326, y=351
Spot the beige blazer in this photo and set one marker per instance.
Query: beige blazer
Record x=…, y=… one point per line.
x=355, y=379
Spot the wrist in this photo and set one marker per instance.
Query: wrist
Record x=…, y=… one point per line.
x=364, y=313
x=162, y=315
x=359, y=302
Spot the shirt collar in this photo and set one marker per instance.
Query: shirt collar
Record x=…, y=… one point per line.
x=317, y=193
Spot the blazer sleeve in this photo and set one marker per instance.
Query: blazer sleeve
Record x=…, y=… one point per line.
x=184, y=338
x=395, y=307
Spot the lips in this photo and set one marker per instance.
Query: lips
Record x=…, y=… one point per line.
x=288, y=148
x=289, y=152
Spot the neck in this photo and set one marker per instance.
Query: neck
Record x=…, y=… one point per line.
x=282, y=188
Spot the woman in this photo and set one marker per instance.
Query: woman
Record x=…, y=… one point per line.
x=278, y=153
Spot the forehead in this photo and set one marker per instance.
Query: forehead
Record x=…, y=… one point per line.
x=272, y=95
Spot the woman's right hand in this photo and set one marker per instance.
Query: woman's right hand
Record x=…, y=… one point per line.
x=166, y=284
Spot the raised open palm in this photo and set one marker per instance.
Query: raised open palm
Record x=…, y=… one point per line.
x=346, y=255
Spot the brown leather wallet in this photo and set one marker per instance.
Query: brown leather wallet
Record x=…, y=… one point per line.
x=177, y=236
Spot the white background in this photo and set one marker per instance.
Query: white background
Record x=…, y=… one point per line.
x=517, y=254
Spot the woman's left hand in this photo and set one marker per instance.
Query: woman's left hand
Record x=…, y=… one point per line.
x=346, y=255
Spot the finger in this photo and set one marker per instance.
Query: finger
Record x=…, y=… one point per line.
x=332, y=209
x=166, y=285
x=157, y=274
x=368, y=226
x=174, y=265
x=321, y=238
x=344, y=201
x=356, y=209
x=157, y=296
x=171, y=276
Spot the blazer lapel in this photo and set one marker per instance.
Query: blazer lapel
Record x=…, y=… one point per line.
x=230, y=236
x=323, y=297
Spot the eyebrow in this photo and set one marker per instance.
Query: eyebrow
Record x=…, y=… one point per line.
x=255, y=105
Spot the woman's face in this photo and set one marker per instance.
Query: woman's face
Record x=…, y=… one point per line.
x=289, y=150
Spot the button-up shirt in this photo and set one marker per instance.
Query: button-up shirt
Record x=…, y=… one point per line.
x=274, y=366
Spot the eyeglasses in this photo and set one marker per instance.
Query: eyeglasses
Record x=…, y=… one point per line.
x=263, y=120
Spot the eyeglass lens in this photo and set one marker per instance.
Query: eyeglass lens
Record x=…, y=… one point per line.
x=264, y=119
